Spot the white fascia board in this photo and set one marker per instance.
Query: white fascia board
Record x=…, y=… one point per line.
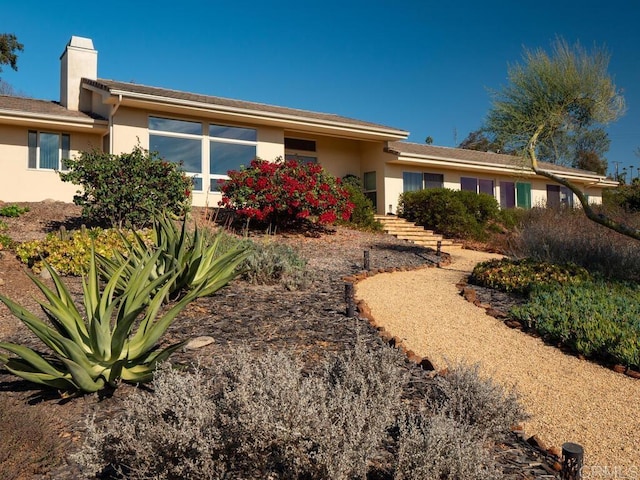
x=13, y=117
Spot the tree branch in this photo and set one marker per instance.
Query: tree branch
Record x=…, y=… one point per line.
x=598, y=218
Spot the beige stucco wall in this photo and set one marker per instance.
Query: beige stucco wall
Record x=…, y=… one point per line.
x=338, y=156
x=18, y=183
x=393, y=184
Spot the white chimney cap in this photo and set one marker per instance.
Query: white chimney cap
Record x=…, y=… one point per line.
x=81, y=42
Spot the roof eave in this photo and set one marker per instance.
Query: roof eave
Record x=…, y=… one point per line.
x=500, y=168
x=289, y=121
x=16, y=117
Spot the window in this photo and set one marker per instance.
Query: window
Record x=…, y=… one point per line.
x=515, y=195
x=178, y=141
x=477, y=185
x=412, y=181
x=559, y=196
x=47, y=151
x=369, y=187
x=300, y=149
x=185, y=142
x=230, y=148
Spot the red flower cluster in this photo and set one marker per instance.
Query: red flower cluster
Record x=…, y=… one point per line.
x=286, y=192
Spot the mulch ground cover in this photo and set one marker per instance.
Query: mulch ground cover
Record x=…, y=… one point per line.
x=311, y=322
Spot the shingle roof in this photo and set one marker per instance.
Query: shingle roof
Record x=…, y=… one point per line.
x=42, y=107
x=475, y=156
x=115, y=86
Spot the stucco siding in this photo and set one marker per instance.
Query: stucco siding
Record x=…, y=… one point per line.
x=18, y=183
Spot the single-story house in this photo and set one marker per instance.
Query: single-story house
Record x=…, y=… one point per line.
x=212, y=135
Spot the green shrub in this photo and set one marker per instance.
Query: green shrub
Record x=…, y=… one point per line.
x=68, y=253
x=363, y=213
x=12, y=211
x=511, y=218
x=521, y=276
x=126, y=190
x=453, y=213
x=596, y=319
x=625, y=196
x=5, y=240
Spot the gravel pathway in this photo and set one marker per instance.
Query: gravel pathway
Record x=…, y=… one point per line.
x=569, y=399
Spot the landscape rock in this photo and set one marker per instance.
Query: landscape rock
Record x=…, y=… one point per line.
x=199, y=342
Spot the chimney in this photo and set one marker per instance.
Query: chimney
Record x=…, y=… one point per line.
x=78, y=60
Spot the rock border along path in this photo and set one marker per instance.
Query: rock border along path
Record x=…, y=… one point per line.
x=570, y=400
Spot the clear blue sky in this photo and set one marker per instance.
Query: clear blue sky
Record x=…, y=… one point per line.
x=423, y=66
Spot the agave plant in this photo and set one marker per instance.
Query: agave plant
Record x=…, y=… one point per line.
x=102, y=347
x=194, y=264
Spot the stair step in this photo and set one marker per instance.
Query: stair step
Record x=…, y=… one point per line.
x=409, y=231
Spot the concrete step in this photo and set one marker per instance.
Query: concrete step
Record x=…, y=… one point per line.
x=405, y=230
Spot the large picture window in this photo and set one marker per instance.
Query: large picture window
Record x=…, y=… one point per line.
x=47, y=151
x=188, y=143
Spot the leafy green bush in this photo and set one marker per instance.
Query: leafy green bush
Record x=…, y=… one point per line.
x=625, y=196
x=521, y=276
x=453, y=213
x=363, y=213
x=12, y=211
x=125, y=190
x=596, y=318
x=68, y=253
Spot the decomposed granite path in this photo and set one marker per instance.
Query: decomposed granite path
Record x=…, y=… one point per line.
x=570, y=400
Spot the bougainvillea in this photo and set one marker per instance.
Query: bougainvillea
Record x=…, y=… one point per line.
x=286, y=193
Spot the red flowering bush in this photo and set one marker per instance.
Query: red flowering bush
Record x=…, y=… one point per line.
x=286, y=193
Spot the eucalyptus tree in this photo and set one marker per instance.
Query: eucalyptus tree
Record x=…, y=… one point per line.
x=567, y=90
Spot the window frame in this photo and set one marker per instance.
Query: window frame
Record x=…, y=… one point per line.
x=34, y=150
